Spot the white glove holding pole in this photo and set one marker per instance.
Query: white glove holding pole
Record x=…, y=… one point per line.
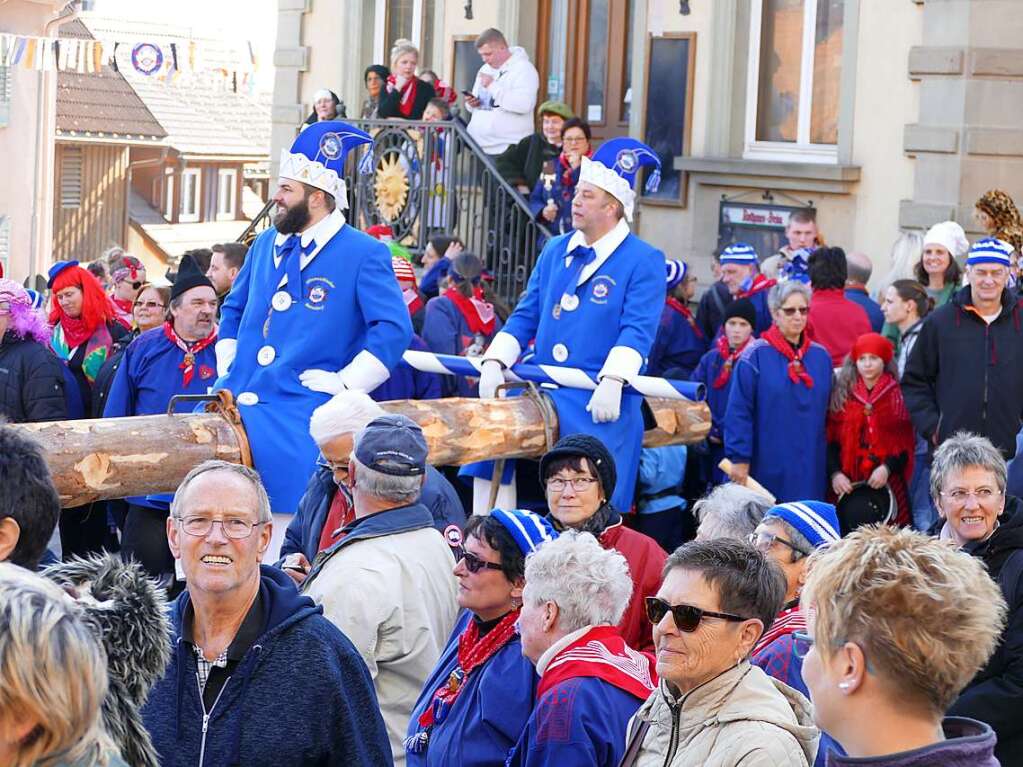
x=491, y=376
x=606, y=403
x=225, y=350
x=322, y=381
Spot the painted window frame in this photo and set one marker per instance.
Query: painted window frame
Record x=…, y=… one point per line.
x=382, y=52
x=227, y=213
x=802, y=150
x=193, y=216
x=168, y=194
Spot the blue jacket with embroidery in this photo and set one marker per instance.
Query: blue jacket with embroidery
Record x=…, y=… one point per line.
x=490, y=713
x=777, y=425
x=580, y=723
x=300, y=664
x=679, y=344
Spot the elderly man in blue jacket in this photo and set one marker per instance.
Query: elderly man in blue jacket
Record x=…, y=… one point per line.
x=258, y=676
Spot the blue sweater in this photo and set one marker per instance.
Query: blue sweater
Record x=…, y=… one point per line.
x=580, y=723
x=300, y=696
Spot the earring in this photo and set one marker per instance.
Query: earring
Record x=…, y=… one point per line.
x=516, y=603
x=844, y=685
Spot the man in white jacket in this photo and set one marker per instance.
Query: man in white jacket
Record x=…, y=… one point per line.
x=503, y=96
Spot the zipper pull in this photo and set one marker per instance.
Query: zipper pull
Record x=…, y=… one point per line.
x=205, y=723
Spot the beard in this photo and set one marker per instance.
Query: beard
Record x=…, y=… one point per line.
x=294, y=219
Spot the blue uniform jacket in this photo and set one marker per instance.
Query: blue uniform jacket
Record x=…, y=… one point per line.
x=677, y=345
x=662, y=470
x=487, y=719
x=870, y=306
x=777, y=426
x=445, y=331
x=300, y=664
x=408, y=383
x=707, y=373
x=764, y=318
x=349, y=303
x=306, y=526
x=619, y=306
x=148, y=376
x=580, y=723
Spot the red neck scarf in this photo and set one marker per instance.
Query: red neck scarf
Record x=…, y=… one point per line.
x=601, y=653
x=477, y=313
x=76, y=330
x=872, y=426
x=682, y=309
x=730, y=357
x=188, y=363
x=797, y=370
x=408, y=93
x=473, y=652
x=567, y=169
x=760, y=283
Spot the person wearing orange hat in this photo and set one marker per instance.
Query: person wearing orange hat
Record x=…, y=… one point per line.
x=870, y=437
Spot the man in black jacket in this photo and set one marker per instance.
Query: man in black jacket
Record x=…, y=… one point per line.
x=966, y=371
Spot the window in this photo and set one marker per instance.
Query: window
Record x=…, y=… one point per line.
x=226, y=185
x=168, y=194
x=794, y=76
x=667, y=119
x=411, y=20
x=190, y=199
x=71, y=177
x=5, y=245
x=465, y=62
x=6, y=94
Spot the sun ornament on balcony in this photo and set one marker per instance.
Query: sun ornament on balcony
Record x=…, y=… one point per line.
x=391, y=185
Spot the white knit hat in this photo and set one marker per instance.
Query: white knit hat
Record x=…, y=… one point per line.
x=950, y=236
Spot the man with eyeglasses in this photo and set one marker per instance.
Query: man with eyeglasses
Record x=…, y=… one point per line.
x=388, y=582
x=740, y=273
x=258, y=676
x=176, y=358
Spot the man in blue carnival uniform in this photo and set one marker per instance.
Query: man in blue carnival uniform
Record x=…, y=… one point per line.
x=593, y=302
x=680, y=342
x=315, y=310
x=175, y=358
x=740, y=271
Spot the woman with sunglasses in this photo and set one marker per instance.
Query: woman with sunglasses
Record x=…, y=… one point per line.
x=899, y=624
x=478, y=699
x=776, y=413
x=789, y=534
x=712, y=706
x=127, y=276
x=968, y=483
x=579, y=475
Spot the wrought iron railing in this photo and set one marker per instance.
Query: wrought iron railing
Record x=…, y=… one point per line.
x=428, y=177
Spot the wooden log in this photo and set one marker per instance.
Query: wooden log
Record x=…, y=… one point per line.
x=93, y=460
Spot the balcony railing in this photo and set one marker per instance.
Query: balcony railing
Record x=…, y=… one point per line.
x=420, y=178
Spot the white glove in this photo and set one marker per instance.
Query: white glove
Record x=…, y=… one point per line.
x=491, y=376
x=225, y=349
x=606, y=403
x=322, y=381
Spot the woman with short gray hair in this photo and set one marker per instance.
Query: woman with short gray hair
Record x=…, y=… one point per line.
x=968, y=478
x=591, y=681
x=778, y=405
x=730, y=511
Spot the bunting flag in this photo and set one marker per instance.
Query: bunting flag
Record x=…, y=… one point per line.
x=162, y=59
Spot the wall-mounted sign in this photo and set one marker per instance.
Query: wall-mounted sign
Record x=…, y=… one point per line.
x=755, y=215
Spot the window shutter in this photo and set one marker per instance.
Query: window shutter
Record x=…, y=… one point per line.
x=71, y=177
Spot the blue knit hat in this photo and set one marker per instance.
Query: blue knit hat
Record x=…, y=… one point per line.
x=676, y=272
x=739, y=253
x=817, y=521
x=56, y=269
x=529, y=530
x=990, y=250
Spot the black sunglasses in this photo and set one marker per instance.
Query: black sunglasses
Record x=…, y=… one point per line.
x=474, y=564
x=687, y=618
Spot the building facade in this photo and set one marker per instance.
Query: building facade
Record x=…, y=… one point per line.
x=883, y=115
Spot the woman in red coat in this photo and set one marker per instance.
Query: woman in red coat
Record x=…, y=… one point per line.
x=870, y=437
x=579, y=475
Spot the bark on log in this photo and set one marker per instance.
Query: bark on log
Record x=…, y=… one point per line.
x=93, y=460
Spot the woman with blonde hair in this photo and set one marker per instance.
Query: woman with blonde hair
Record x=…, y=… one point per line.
x=405, y=96
x=53, y=678
x=900, y=623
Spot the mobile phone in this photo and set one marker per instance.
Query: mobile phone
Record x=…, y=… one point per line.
x=468, y=93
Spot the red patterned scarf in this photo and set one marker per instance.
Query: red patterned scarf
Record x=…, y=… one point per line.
x=473, y=652
x=873, y=426
x=682, y=309
x=760, y=283
x=567, y=169
x=601, y=653
x=477, y=313
x=797, y=369
x=408, y=94
x=730, y=357
x=188, y=363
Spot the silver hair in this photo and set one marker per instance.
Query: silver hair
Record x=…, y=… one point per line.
x=387, y=487
x=730, y=511
x=859, y=266
x=961, y=451
x=348, y=412
x=780, y=293
x=263, y=513
x=590, y=585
